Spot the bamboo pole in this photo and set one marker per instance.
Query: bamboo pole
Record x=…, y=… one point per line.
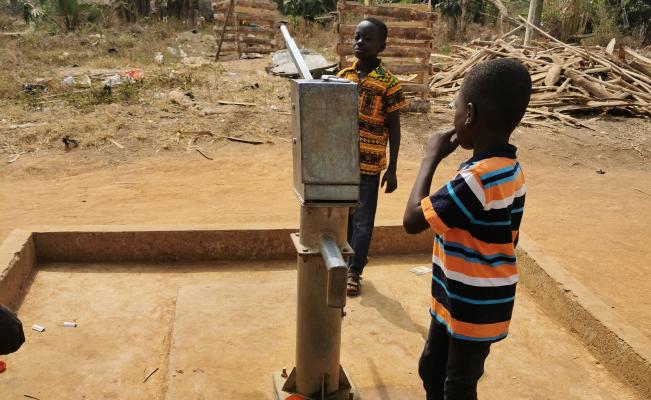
x=223, y=5
x=533, y=19
x=231, y=6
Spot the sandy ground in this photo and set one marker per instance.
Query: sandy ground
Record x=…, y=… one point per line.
x=596, y=225
x=223, y=349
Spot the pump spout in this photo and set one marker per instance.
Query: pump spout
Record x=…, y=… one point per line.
x=337, y=272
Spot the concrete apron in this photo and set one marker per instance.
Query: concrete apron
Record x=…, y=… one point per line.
x=622, y=348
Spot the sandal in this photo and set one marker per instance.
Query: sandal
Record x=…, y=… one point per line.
x=354, y=284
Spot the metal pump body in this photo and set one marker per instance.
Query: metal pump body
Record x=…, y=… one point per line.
x=325, y=145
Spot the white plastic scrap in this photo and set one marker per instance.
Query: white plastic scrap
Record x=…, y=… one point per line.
x=422, y=270
x=158, y=57
x=69, y=324
x=38, y=328
x=112, y=81
x=69, y=80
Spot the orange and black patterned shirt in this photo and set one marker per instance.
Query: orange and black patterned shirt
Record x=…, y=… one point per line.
x=379, y=94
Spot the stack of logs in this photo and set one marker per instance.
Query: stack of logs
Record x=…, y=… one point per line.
x=250, y=25
x=409, y=44
x=566, y=79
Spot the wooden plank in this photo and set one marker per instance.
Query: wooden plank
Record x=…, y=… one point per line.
x=390, y=51
x=400, y=69
x=262, y=50
x=398, y=21
x=248, y=29
x=269, y=19
x=265, y=5
x=409, y=33
x=402, y=13
x=639, y=56
x=424, y=44
x=409, y=43
x=252, y=11
x=408, y=68
x=229, y=10
x=255, y=40
x=237, y=40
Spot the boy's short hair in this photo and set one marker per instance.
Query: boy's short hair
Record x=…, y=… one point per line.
x=381, y=26
x=500, y=90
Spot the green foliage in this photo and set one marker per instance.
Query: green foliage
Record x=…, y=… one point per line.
x=452, y=8
x=477, y=10
x=635, y=13
x=73, y=12
x=605, y=18
x=564, y=18
x=306, y=8
x=69, y=10
x=604, y=25
x=449, y=8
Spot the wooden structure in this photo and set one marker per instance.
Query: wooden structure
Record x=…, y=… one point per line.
x=409, y=44
x=567, y=80
x=250, y=27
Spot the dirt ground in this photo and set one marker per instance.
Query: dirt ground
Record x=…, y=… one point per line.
x=589, y=190
x=596, y=225
x=181, y=325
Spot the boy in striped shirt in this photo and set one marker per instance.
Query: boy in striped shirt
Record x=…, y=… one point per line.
x=475, y=217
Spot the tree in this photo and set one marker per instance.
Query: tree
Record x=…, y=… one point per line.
x=308, y=9
x=451, y=10
x=633, y=14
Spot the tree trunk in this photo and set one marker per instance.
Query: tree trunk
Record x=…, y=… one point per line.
x=534, y=17
x=144, y=8
x=452, y=27
x=175, y=8
x=464, y=16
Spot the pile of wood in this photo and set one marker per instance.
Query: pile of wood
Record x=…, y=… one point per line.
x=245, y=26
x=409, y=44
x=566, y=79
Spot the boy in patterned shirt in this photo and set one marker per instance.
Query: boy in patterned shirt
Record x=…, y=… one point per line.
x=379, y=103
x=476, y=218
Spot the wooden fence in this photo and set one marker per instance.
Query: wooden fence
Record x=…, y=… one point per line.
x=251, y=26
x=409, y=44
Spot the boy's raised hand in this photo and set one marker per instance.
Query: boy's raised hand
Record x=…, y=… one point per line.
x=391, y=180
x=441, y=144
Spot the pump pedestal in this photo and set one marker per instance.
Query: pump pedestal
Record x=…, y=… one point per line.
x=325, y=147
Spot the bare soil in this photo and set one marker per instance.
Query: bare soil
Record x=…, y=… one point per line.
x=589, y=190
x=155, y=332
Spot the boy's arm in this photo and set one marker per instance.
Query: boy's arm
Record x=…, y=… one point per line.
x=439, y=146
x=11, y=331
x=390, y=177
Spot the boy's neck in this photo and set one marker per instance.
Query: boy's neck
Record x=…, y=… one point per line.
x=489, y=143
x=367, y=65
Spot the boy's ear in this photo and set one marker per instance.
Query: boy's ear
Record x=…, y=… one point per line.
x=471, y=114
x=384, y=46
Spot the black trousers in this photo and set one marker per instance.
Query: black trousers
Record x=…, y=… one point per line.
x=450, y=368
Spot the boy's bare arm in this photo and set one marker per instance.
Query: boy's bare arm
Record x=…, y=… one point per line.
x=439, y=146
x=390, y=177
x=11, y=331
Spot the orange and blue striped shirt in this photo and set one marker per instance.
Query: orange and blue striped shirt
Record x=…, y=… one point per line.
x=476, y=217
